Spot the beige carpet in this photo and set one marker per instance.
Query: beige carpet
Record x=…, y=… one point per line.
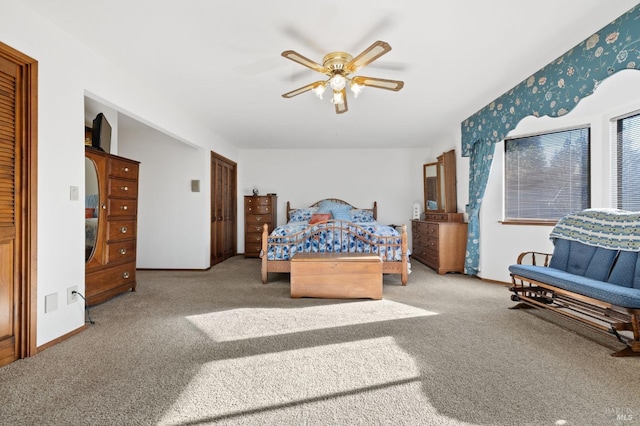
x=218, y=347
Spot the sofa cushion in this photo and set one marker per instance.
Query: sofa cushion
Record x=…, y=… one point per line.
x=626, y=270
x=601, y=262
x=560, y=254
x=607, y=292
x=581, y=259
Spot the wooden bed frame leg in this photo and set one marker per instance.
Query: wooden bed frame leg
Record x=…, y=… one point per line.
x=404, y=275
x=263, y=253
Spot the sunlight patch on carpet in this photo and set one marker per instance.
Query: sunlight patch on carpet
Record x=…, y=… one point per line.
x=249, y=323
x=289, y=380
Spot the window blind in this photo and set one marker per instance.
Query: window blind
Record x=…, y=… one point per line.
x=628, y=163
x=547, y=175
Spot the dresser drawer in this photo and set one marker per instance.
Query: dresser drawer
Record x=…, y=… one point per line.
x=119, y=188
x=423, y=239
x=440, y=217
x=121, y=230
x=109, y=279
x=254, y=228
x=258, y=219
x=121, y=251
x=120, y=207
x=423, y=227
x=252, y=237
x=432, y=230
x=418, y=250
x=431, y=256
x=123, y=169
x=431, y=243
x=259, y=209
x=258, y=201
x=252, y=249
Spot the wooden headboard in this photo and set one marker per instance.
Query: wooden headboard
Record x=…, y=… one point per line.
x=374, y=209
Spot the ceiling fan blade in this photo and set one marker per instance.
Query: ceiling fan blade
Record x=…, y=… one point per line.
x=301, y=90
x=384, y=24
x=380, y=83
x=342, y=107
x=297, y=35
x=369, y=55
x=389, y=66
x=296, y=57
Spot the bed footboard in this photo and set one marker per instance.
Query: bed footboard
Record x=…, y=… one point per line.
x=346, y=237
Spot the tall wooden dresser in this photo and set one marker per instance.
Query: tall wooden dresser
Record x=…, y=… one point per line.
x=111, y=268
x=258, y=210
x=440, y=241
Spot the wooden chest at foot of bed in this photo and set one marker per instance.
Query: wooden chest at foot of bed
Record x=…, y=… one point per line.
x=336, y=275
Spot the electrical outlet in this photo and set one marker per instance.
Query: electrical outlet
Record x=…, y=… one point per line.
x=71, y=296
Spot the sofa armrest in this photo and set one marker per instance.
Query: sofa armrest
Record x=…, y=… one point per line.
x=534, y=258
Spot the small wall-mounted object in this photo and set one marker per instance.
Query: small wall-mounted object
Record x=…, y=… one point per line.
x=416, y=211
x=195, y=185
x=50, y=302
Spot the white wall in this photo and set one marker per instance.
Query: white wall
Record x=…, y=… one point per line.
x=173, y=222
x=501, y=244
x=392, y=177
x=67, y=70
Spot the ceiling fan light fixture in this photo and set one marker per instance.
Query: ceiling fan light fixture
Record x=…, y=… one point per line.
x=337, y=97
x=319, y=90
x=339, y=66
x=356, y=89
x=338, y=82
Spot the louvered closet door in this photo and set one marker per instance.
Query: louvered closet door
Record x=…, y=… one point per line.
x=229, y=225
x=223, y=209
x=216, y=213
x=9, y=221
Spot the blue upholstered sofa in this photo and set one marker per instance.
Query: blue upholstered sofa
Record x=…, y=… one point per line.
x=592, y=276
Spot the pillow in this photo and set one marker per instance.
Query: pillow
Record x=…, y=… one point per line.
x=319, y=217
x=325, y=206
x=341, y=214
x=361, y=216
x=339, y=211
x=301, y=215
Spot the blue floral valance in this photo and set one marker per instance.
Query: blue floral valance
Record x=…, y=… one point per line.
x=558, y=87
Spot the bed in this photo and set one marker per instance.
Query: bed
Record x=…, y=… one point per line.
x=333, y=225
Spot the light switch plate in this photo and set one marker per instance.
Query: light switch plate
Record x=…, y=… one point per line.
x=74, y=193
x=195, y=185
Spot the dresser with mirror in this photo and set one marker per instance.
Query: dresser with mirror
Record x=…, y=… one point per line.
x=111, y=206
x=440, y=237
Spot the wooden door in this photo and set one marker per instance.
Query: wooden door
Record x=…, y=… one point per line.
x=223, y=208
x=17, y=205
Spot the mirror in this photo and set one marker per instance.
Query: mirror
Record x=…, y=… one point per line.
x=440, y=184
x=92, y=198
x=431, y=187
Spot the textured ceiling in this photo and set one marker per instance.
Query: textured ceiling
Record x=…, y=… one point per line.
x=220, y=60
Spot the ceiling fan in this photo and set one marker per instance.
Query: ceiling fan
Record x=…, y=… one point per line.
x=338, y=66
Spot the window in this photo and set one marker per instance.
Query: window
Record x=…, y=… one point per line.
x=627, y=163
x=547, y=175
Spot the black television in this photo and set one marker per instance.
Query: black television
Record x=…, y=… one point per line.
x=101, y=133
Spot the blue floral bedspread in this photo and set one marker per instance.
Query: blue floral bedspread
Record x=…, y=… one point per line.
x=317, y=238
